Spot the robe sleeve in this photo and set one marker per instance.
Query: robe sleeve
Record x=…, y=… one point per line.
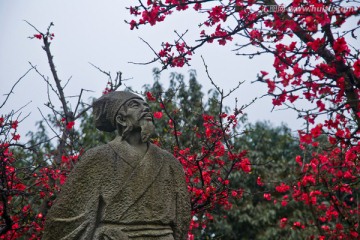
x=183, y=208
x=73, y=215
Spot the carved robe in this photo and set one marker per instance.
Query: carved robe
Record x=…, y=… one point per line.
x=113, y=193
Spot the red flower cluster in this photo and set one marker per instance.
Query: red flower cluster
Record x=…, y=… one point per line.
x=282, y=188
x=38, y=36
x=150, y=97
x=23, y=185
x=70, y=125
x=205, y=170
x=216, y=14
x=158, y=115
x=319, y=68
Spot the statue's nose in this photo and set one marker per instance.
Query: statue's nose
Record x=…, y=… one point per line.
x=146, y=108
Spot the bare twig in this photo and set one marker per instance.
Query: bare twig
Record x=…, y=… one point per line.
x=79, y=100
x=106, y=73
x=13, y=87
x=45, y=119
x=46, y=80
x=153, y=50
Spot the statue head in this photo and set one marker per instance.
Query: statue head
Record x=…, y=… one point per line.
x=125, y=112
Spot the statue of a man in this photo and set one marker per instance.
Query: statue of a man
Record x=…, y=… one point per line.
x=126, y=189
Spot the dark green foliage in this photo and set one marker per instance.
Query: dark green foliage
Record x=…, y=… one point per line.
x=184, y=104
x=272, y=151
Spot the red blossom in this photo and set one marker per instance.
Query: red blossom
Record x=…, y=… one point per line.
x=245, y=165
x=158, y=115
x=297, y=225
x=354, y=234
x=20, y=187
x=150, y=97
x=152, y=16
x=256, y=37
x=14, y=124
x=332, y=140
x=170, y=123
x=234, y=193
x=320, y=105
x=316, y=44
x=70, y=125
x=216, y=14
x=62, y=179
x=221, y=35
x=259, y=182
x=340, y=46
x=26, y=208
x=133, y=24
x=263, y=73
x=267, y=196
x=283, y=222
x=65, y=159
x=305, y=138
x=38, y=36
x=282, y=188
x=178, y=61
x=16, y=137
x=356, y=67
x=180, y=47
x=190, y=236
x=308, y=179
x=197, y=6
x=339, y=226
x=292, y=98
x=208, y=132
x=271, y=85
x=316, y=131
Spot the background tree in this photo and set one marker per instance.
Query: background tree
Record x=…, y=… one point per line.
x=33, y=172
x=32, y=175
x=272, y=150
x=313, y=63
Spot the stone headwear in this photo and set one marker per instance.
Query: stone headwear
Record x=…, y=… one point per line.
x=107, y=106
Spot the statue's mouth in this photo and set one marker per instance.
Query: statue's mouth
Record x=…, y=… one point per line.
x=147, y=116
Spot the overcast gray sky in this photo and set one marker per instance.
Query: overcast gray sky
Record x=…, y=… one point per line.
x=94, y=31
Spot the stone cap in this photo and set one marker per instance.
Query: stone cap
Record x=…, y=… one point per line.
x=107, y=106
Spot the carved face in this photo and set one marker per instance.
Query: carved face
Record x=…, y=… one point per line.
x=137, y=117
x=138, y=110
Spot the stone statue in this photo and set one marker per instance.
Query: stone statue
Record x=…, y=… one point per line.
x=126, y=189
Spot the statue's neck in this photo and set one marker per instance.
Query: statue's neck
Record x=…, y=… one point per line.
x=134, y=140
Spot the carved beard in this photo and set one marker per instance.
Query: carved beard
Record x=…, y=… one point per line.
x=147, y=129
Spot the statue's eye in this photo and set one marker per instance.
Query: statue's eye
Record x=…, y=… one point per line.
x=133, y=104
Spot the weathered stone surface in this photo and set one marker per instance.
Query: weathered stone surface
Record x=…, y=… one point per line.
x=126, y=189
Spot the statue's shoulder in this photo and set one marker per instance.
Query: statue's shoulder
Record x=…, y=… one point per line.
x=96, y=154
x=169, y=158
x=98, y=150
